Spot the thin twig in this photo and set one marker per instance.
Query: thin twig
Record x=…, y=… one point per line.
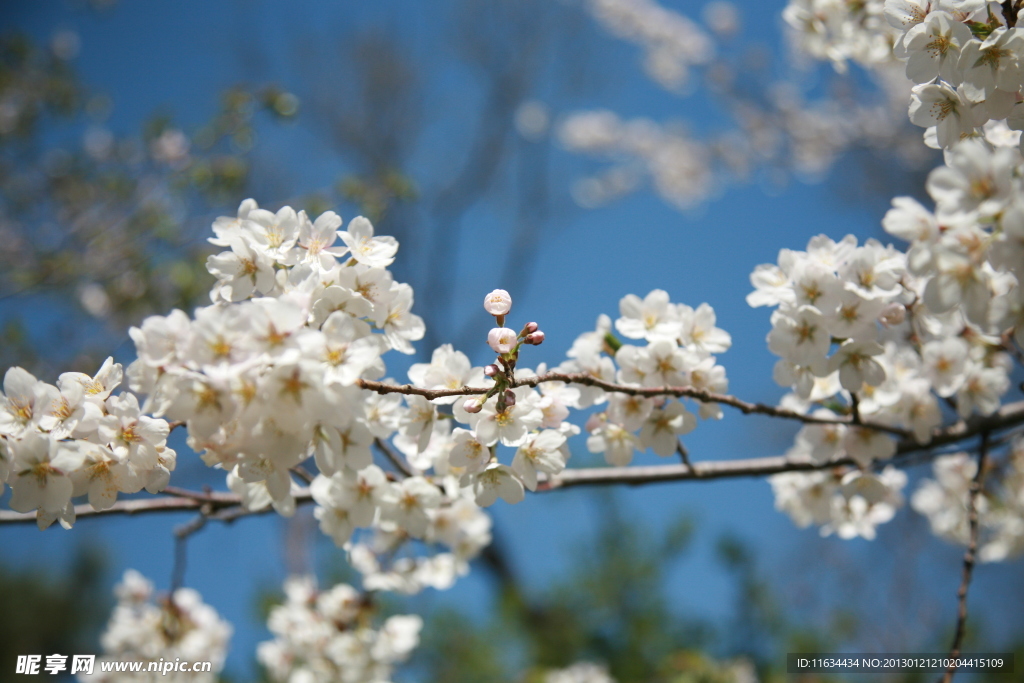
x=683, y=453
x=223, y=506
x=395, y=459
x=969, y=557
x=214, y=497
x=181, y=536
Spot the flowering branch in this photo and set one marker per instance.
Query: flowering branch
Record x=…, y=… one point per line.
x=220, y=506
x=227, y=507
x=1010, y=415
x=745, y=407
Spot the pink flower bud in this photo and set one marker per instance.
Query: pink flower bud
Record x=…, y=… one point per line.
x=491, y=370
x=501, y=339
x=893, y=314
x=510, y=397
x=530, y=328
x=537, y=338
x=472, y=405
x=498, y=302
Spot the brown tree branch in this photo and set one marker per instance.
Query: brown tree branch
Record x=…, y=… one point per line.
x=181, y=536
x=684, y=454
x=221, y=506
x=1010, y=415
x=969, y=557
x=227, y=506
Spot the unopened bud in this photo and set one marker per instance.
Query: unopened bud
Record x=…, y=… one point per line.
x=529, y=328
x=501, y=339
x=491, y=370
x=893, y=314
x=472, y=405
x=498, y=302
x=510, y=397
x=537, y=338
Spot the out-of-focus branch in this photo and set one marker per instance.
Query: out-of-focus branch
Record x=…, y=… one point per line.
x=181, y=536
x=394, y=458
x=224, y=507
x=969, y=557
x=684, y=454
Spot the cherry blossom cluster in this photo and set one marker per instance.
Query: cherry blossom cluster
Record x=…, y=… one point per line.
x=841, y=32
x=923, y=327
x=899, y=343
x=848, y=503
x=832, y=294
x=445, y=518
x=966, y=63
x=328, y=637
x=530, y=420
x=76, y=439
x=144, y=628
x=680, y=343
x=672, y=43
x=955, y=294
x=787, y=132
x=778, y=129
x=267, y=377
x=261, y=383
x=963, y=58
x=894, y=331
x=679, y=166
x=970, y=253
x=943, y=500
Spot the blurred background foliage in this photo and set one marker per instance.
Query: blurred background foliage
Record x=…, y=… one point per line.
x=103, y=229
x=103, y=225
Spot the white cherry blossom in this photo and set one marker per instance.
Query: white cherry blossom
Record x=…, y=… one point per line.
x=616, y=442
x=497, y=481
x=25, y=402
x=39, y=478
x=376, y=252
x=663, y=427
x=242, y=271
x=649, y=318
x=933, y=48
x=541, y=453
x=948, y=109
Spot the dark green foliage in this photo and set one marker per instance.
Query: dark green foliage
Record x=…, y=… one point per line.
x=46, y=614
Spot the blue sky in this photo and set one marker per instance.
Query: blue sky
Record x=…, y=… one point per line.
x=150, y=56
